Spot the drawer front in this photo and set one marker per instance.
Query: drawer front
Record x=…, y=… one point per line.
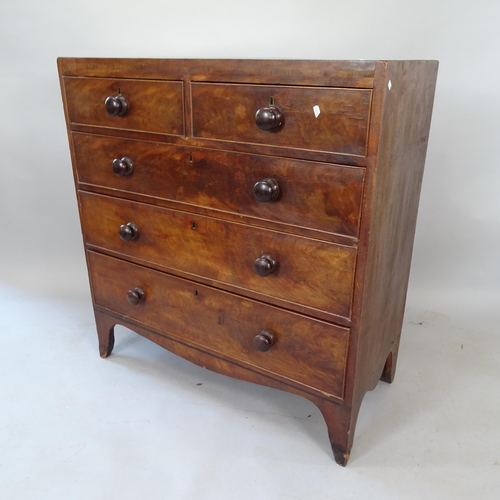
x=311, y=195
x=321, y=119
x=308, y=351
x=153, y=106
x=309, y=272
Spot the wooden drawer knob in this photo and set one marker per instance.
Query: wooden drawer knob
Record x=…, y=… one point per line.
x=263, y=341
x=135, y=295
x=265, y=265
x=128, y=231
x=266, y=190
x=268, y=118
x=123, y=166
x=116, y=105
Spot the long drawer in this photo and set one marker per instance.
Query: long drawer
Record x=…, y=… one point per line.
x=308, y=194
x=153, y=106
x=320, y=119
x=308, y=351
x=308, y=272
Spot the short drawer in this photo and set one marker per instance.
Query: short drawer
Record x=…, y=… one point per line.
x=331, y=120
x=306, y=194
x=153, y=106
x=309, y=272
x=310, y=352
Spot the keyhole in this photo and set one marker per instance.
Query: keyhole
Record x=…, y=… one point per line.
x=196, y=293
x=271, y=101
x=193, y=225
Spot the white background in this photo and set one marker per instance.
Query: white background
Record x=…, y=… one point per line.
x=456, y=265
x=458, y=233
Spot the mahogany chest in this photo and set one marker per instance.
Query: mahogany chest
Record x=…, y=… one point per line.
x=254, y=217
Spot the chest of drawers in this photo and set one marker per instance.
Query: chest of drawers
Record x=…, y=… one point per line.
x=254, y=217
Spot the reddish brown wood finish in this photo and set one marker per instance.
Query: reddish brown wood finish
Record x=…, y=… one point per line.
x=306, y=352
x=361, y=284
x=337, y=416
x=346, y=74
x=349, y=74
x=220, y=145
x=312, y=273
x=152, y=106
x=391, y=217
x=227, y=112
x=312, y=195
x=105, y=332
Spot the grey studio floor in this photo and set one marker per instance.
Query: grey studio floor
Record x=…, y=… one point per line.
x=145, y=424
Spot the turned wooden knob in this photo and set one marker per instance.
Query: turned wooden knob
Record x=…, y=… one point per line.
x=116, y=105
x=263, y=341
x=268, y=118
x=135, y=295
x=266, y=190
x=123, y=166
x=265, y=265
x=128, y=231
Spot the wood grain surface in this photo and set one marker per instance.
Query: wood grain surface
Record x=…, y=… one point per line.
x=153, y=106
x=227, y=112
x=307, y=351
x=338, y=236
x=312, y=273
x=350, y=74
x=388, y=232
x=312, y=195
